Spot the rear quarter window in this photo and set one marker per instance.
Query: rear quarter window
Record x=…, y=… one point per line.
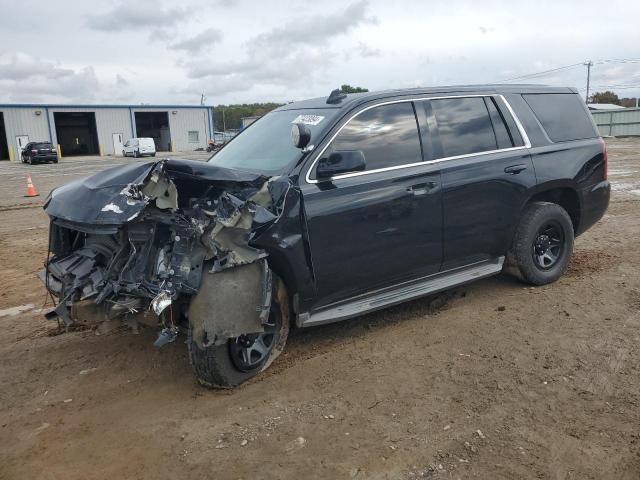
x=562, y=115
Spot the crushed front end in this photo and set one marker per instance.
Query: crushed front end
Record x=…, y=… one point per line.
x=131, y=245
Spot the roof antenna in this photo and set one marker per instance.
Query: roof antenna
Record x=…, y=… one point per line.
x=336, y=96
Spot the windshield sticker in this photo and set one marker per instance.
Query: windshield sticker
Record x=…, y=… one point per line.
x=308, y=119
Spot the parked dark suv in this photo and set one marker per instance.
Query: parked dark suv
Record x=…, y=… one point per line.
x=374, y=199
x=35, y=152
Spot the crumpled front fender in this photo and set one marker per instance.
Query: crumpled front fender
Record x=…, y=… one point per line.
x=231, y=303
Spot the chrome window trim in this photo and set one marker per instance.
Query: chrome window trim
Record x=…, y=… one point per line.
x=523, y=133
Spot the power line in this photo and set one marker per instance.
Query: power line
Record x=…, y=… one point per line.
x=566, y=67
x=620, y=60
x=544, y=72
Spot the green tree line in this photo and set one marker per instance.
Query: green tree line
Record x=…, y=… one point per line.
x=229, y=117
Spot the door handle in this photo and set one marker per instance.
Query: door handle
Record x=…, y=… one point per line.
x=422, y=188
x=515, y=169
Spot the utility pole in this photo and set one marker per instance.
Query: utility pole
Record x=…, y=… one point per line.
x=588, y=64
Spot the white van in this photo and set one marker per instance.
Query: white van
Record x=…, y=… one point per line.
x=137, y=147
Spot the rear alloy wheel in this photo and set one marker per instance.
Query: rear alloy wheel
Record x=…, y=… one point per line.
x=548, y=245
x=543, y=243
x=242, y=358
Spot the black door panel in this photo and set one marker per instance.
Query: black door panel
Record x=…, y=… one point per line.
x=482, y=204
x=374, y=230
x=485, y=176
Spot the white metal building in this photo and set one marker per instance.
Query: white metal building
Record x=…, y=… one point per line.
x=102, y=129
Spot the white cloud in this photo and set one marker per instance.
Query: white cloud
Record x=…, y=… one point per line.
x=169, y=52
x=135, y=16
x=274, y=57
x=26, y=78
x=198, y=42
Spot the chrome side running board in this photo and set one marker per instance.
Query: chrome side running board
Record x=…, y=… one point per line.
x=403, y=292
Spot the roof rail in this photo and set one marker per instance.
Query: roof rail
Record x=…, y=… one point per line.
x=336, y=96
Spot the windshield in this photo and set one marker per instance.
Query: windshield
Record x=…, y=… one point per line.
x=266, y=145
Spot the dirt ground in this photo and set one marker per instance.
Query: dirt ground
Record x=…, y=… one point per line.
x=494, y=380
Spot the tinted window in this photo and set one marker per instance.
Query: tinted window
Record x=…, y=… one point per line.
x=562, y=115
x=499, y=127
x=516, y=137
x=464, y=126
x=265, y=146
x=387, y=135
x=41, y=145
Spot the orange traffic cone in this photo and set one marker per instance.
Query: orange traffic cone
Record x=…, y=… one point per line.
x=31, y=190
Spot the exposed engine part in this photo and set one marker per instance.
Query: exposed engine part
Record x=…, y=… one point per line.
x=135, y=268
x=166, y=335
x=162, y=301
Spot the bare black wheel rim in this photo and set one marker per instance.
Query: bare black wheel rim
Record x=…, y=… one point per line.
x=548, y=245
x=249, y=352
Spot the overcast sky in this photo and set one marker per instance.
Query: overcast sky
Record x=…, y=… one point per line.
x=240, y=51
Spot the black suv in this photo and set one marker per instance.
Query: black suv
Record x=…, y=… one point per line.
x=326, y=209
x=35, y=152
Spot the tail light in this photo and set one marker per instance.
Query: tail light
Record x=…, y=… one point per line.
x=605, y=157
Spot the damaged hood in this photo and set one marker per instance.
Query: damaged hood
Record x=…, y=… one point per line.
x=118, y=195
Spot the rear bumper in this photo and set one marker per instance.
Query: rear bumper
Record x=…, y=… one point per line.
x=595, y=201
x=45, y=158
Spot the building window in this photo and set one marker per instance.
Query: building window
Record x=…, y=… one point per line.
x=194, y=136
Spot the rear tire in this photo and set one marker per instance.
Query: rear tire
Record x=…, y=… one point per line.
x=543, y=243
x=221, y=366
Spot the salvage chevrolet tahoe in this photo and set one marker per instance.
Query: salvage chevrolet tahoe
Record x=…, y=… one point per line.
x=326, y=209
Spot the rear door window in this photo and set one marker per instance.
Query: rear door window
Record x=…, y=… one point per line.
x=562, y=115
x=464, y=126
x=387, y=135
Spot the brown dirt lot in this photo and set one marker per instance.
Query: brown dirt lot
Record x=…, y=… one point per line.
x=493, y=380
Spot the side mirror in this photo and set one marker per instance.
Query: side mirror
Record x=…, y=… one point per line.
x=300, y=135
x=342, y=161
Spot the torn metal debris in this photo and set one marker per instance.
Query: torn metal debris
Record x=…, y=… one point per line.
x=172, y=237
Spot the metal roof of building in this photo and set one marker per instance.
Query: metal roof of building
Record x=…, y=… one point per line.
x=604, y=106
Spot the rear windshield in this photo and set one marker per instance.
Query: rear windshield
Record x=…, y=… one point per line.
x=562, y=115
x=266, y=146
x=42, y=145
